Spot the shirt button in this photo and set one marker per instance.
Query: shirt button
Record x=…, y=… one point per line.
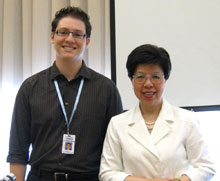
x=60, y=164
x=66, y=103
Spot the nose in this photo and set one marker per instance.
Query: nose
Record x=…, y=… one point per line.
x=148, y=82
x=70, y=37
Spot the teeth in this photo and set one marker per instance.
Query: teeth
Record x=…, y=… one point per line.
x=68, y=48
x=148, y=93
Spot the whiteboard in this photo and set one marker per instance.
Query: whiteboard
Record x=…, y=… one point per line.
x=189, y=30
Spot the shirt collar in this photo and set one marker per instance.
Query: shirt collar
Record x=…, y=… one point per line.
x=166, y=113
x=83, y=72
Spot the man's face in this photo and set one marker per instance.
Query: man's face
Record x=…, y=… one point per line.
x=68, y=146
x=69, y=47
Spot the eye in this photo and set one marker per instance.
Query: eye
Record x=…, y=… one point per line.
x=156, y=77
x=140, y=77
x=78, y=35
x=63, y=32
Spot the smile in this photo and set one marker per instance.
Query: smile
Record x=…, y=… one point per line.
x=68, y=48
x=149, y=95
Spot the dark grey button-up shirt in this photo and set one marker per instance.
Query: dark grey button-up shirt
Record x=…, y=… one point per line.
x=38, y=120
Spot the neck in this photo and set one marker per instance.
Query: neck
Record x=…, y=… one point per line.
x=150, y=113
x=68, y=68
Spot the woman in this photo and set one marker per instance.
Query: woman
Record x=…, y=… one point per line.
x=154, y=141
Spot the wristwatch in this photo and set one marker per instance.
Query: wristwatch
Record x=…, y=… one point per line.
x=176, y=179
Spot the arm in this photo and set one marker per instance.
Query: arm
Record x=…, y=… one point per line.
x=19, y=137
x=18, y=170
x=197, y=152
x=111, y=167
x=114, y=103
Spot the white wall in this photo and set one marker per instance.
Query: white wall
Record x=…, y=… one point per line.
x=189, y=30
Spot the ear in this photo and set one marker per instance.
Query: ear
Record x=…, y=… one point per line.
x=87, y=42
x=52, y=38
x=132, y=82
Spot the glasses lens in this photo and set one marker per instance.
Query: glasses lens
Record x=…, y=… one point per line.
x=78, y=35
x=154, y=78
x=65, y=33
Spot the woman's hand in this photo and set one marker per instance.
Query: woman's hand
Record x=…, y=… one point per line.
x=160, y=179
x=132, y=178
x=185, y=178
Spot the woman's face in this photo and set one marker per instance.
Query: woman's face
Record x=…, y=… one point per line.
x=149, y=83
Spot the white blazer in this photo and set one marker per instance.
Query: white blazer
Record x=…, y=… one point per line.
x=174, y=146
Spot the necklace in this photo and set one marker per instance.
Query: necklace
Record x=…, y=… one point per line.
x=150, y=125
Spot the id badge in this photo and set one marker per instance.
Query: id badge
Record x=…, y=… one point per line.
x=68, y=144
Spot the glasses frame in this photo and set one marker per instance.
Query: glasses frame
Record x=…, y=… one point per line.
x=154, y=78
x=65, y=34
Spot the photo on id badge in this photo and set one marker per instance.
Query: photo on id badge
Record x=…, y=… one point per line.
x=68, y=144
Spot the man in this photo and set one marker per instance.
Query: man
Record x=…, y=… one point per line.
x=66, y=103
x=68, y=146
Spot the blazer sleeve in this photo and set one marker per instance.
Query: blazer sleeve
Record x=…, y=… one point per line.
x=197, y=152
x=111, y=161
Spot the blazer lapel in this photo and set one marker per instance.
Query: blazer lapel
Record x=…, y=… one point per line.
x=138, y=130
x=161, y=129
x=163, y=123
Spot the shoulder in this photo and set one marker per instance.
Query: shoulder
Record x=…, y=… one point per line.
x=100, y=77
x=184, y=114
x=44, y=74
x=175, y=112
x=31, y=82
x=123, y=118
x=101, y=81
x=184, y=117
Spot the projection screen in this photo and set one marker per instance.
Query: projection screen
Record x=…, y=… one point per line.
x=189, y=30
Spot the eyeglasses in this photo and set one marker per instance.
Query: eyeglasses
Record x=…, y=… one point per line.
x=156, y=78
x=65, y=34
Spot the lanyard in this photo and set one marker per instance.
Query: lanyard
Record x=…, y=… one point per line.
x=62, y=104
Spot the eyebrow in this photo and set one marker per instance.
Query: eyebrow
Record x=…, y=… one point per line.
x=151, y=73
x=78, y=31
